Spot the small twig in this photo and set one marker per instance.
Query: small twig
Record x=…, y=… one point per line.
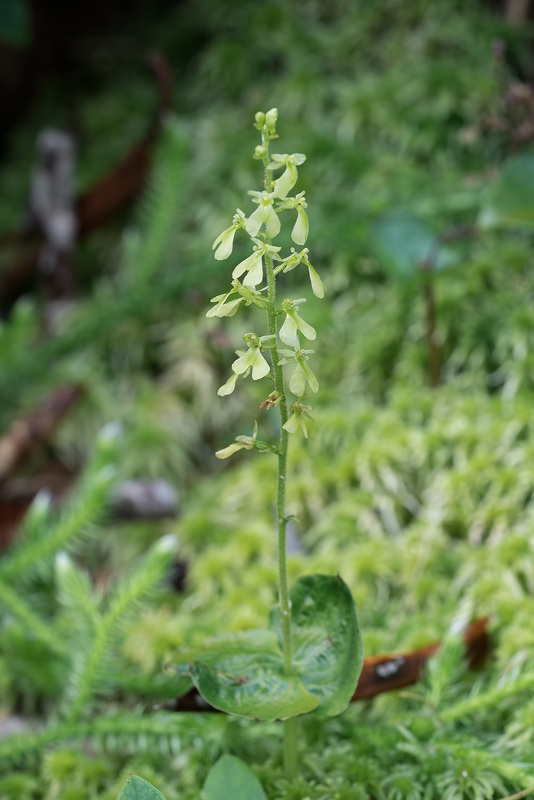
x=36, y=428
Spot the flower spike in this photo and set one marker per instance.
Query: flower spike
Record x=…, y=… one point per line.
x=254, y=283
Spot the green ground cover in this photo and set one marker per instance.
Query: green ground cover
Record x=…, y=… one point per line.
x=421, y=498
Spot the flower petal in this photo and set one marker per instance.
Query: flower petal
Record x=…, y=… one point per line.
x=246, y=264
x=229, y=309
x=228, y=387
x=242, y=363
x=229, y=451
x=304, y=328
x=318, y=287
x=297, y=383
x=278, y=160
x=255, y=272
x=292, y=425
x=299, y=234
x=255, y=221
x=219, y=300
x=260, y=367
x=288, y=355
x=295, y=422
x=288, y=332
x=272, y=221
x=310, y=377
x=286, y=181
x=225, y=242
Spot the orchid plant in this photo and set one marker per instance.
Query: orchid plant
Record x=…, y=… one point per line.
x=310, y=657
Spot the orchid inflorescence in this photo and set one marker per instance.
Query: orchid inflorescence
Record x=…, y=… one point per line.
x=310, y=657
x=254, y=283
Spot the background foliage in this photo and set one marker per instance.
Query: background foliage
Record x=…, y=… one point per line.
x=421, y=498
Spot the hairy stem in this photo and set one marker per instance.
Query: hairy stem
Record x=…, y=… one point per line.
x=290, y=725
x=285, y=610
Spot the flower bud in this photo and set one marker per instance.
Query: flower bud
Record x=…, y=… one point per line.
x=260, y=119
x=260, y=152
x=252, y=339
x=270, y=119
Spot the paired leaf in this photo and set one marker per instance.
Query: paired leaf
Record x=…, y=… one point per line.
x=231, y=779
x=244, y=674
x=404, y=243
x=511, y=201
x=137, y=788
x=327, y=645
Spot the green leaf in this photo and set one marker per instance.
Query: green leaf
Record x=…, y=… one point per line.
x=511, y=201
x=403, y=243
x=243, y=674
x=137, y=788
x=231, y=779
x=327, y=645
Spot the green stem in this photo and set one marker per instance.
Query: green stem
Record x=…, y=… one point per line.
x=291, y=729
x=285, y=609
x=290, y=725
